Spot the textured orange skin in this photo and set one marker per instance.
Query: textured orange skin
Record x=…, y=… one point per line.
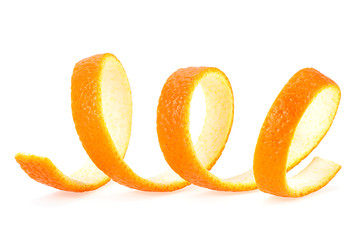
x=173, y=120
x=174, y=137
x=42, y=170
x=173, y=130
x=276, y=135
x=93, y=133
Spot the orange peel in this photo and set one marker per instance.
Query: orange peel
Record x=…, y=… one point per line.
x=102, y=113
x=192, y=162
x=41, y=169
x=298, y=120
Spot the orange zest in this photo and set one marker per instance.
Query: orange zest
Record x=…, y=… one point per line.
x=192, y=162
x=299, y=118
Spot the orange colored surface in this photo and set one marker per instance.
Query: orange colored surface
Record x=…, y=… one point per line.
x=190, y=161
x=102, y=112
x=96, y=137
x=277, y=133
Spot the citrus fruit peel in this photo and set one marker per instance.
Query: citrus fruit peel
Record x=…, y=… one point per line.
x=299, y=118
x=41, y=169
x=102, y=112
x=193, y=162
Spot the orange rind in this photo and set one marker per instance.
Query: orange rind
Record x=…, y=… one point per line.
x=102, y=112
x=299, y=118
x=41, y=169
x=309, y=100
x=192, y=162
x=101, y=98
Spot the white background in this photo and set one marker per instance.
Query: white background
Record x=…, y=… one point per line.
x=258, y=44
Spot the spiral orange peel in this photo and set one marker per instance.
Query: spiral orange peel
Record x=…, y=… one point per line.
x=102, y=112
x=299, y=118
x=191, y=161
